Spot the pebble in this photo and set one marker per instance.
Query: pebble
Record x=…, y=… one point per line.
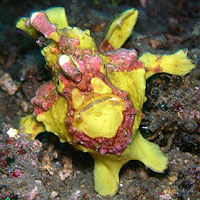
x=25, y=106
x=172, y=178
x=8, y=85
x=12, y=132
x=54, y=194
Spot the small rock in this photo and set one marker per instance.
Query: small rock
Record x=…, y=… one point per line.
x=55, y=154
x=75, y=195
x=33, y=193
x=172, y=178
x=37, y=146
x=67, y=163
x=12, y=132
x=165, y=197
x=67, y=171
x=64, y=174
x=158, y=41
x=48, y=165
x=54, y=194
x=7, y=84
x=16, y=173
x=25, y=106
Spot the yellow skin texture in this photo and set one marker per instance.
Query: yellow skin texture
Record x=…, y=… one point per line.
x=107, y=167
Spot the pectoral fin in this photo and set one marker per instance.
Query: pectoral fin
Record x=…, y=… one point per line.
x=106, y=173
x=177, y=63
x=30, y=125
x=148, y=153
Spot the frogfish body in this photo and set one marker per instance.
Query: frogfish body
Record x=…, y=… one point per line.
x=95, y=97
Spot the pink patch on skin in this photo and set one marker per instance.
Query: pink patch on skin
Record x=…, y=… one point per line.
x=55, y=50
x=68, y=84
x=88, y=66
x=87, y=51
x=94, y=62
x=35, y=127
x=123, y=60
x=143, y=116
x=74, y=42
x=105, y=46
x=84, y=85
x=37, y=111
x=57, y=67
x=159, y=60
x=158, y=68
x=45, y=97
x=41, y=23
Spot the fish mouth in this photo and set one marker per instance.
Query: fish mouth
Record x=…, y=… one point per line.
x=104, y=124
x=100, y=117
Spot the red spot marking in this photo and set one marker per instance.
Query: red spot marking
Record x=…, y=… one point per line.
x=158, y=68
x=74, y=42
x=196, y=119
x=105, y=46
x=35, y=127
x=143, y=116
x=55, y=50
x=159, y=59
x=37, y=111
x=45, y=97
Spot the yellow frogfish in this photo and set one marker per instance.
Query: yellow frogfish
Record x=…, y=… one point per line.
x=95, y=97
